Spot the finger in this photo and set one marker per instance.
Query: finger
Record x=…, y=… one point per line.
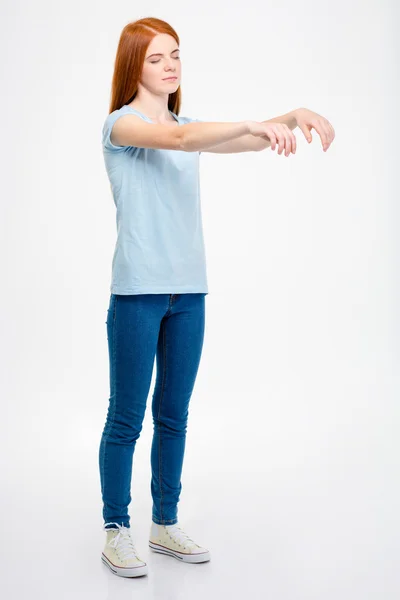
x=281, y=138
x=288, y=142
x=331, y=134
x=292, y=139
x=327, y=137
x=288, y=139
x=332, y=137
x=322, y=130
x=306, y=132
x=294, y=142
x=278, y=137
x=272, y=137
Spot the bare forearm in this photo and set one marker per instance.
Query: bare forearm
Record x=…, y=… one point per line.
x=288, y=118
x=200, y=136
x=251, y=143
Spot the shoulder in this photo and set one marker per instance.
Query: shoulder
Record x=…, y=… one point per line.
x=113, y=116
x=184, y=120
x=108, y=125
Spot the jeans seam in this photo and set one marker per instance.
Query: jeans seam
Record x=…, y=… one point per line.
x=159, y=422
x=114, y=358
x=114, y=316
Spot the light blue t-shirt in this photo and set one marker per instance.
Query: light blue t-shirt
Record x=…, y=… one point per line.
x=160, y=246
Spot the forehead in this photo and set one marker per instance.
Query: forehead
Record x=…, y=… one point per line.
x=163, y=43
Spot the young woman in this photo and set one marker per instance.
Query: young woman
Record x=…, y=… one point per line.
x=159, y=279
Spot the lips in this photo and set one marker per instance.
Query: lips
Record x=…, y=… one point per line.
x=170, y=78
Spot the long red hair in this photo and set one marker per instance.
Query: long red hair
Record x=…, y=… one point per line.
x=132, y=47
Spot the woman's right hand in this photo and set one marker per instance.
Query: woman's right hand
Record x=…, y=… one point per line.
x=277, y=133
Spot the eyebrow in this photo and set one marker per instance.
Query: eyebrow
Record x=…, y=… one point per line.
x=159, y=53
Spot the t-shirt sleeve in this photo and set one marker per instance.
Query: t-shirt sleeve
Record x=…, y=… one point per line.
x=107, y=128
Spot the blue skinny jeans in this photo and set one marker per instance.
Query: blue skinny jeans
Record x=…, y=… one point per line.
x=141, y=327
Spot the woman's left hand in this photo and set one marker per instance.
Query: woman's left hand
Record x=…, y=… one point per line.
x=307, y=120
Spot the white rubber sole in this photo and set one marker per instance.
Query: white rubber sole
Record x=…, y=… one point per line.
x=124, y=571
x=190, y=558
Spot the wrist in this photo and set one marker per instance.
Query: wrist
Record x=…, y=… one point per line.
x=296, y=113
x=248, y=126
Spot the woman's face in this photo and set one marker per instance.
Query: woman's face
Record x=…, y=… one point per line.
x=162, y=61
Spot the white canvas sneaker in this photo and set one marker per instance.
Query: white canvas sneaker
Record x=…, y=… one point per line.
x=120, y=554
x=172, y=540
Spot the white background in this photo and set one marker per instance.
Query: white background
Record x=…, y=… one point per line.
x=291, y=473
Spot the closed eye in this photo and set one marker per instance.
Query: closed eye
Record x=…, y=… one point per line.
x=156, y=61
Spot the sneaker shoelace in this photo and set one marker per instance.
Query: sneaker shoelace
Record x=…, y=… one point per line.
x=123, y=542
x=181, y=537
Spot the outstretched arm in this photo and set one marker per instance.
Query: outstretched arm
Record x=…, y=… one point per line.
x=251, y=143
x=303, y=118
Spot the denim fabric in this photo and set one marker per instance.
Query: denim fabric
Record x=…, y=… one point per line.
x=140, y=328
